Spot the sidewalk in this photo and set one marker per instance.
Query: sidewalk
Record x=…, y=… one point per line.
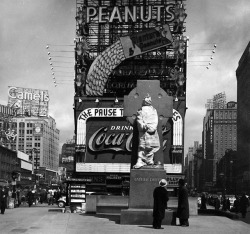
x=37, y=220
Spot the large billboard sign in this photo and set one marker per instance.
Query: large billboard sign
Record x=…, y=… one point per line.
x=28, y=102
x=125, y=14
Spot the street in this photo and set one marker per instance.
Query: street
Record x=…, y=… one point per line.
x=38, y=220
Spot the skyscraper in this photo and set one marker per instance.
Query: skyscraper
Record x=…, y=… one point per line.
x=219, y=134
x=243, y=117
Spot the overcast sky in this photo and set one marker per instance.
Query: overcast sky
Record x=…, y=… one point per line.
x=27, y=26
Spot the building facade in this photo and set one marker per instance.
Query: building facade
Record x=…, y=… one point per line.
x=117, y=45
x=39, y=138
x=67, y=157
x=219, y=135
x=243, y=117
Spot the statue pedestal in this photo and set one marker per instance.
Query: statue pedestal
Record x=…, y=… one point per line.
x=142, y=185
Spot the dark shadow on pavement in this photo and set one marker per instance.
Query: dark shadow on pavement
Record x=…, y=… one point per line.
x=113, y=217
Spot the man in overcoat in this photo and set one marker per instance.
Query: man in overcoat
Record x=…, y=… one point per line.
x=3, y=199
x=244, y=203
x=183, y=205
x=160, y=203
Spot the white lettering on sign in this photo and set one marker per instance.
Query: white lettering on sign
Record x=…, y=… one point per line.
x=93, y=112
x=125, y=14
x=43, y=96
x=101, y=112
x=112, y=140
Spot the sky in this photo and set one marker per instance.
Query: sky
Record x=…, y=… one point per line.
x=27, y=26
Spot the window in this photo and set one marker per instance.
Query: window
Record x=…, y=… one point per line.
x=21, y=125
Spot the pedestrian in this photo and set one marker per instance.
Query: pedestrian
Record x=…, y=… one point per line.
x=224, y=203
x=160, y=195
x=30, y=197
x=236, y=205
x=217, y=203
x=3, y=199
x=228, y=204
x=43, y=196
x=50, y=197
x=244, y=203
x=183, y=205
x=203, y=202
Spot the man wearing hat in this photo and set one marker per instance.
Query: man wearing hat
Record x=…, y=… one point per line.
x=160, y=203
x=183, y=205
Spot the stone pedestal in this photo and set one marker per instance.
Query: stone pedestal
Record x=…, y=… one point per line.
x=142, y=185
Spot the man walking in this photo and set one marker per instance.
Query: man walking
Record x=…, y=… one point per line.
x=183, y=205
x=3, y=199
x=160, y=204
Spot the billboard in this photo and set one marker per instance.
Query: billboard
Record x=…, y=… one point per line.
x=28, y=102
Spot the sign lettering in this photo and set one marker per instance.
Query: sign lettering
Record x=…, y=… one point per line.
x=125, y=14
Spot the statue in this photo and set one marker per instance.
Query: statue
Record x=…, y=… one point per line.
x=149, y=142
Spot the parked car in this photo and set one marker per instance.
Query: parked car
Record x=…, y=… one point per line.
x=61, y=202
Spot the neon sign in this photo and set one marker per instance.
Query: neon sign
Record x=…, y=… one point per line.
x=124, y=14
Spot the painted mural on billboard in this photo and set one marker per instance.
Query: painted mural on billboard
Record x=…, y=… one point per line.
x=28, y=102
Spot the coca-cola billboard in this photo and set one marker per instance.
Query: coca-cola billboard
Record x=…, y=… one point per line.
x=108, y=140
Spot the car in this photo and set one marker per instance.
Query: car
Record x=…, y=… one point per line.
x=61, y=202
x=232, y=198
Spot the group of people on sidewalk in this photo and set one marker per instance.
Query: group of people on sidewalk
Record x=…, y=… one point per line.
x=161, y=198
x=41, y=196
x=240, y=205
x=12, y=199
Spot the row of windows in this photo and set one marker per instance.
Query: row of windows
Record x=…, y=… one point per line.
x=225, y=114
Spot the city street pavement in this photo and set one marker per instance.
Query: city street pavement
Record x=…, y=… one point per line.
x=38, y=220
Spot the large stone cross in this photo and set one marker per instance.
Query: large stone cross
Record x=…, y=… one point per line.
x=160, y=101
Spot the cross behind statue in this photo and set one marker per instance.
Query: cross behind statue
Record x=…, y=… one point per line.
x=146, y=101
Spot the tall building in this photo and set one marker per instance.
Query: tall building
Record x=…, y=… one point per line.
x=67, y=156
x=190, y=166
x=243, y=117
x=40, y=134
x=219, y=134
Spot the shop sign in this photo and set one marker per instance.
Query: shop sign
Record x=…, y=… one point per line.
x=113, y=177
x=173, y=181
x=79, y=180
x=133, y=14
